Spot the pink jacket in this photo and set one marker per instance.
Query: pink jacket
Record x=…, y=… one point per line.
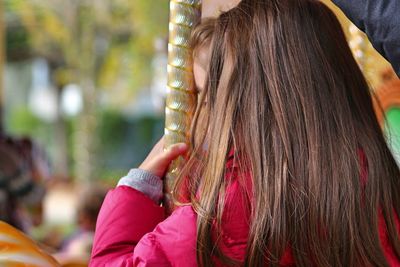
x=133, y=231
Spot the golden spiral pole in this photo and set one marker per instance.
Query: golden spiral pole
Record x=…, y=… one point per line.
x=181, y=97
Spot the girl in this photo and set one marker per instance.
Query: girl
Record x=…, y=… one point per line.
x=291, y=168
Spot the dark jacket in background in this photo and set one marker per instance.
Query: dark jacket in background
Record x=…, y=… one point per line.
x=380, y=20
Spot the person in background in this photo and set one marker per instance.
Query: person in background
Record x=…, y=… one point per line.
x=79, y=244
x=21, y=187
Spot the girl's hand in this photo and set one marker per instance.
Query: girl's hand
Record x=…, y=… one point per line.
x=158, y=160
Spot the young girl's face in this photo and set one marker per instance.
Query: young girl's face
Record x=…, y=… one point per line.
x=212, y=8
x=200, y=65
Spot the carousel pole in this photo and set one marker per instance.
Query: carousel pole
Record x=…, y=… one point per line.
x=181, y=98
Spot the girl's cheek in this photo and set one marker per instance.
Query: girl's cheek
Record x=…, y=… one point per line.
x=199, y=76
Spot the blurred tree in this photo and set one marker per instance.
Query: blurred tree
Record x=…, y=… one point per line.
x=98, y=44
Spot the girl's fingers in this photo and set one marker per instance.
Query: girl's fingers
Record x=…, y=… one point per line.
x=172, y=153
x=159, y=159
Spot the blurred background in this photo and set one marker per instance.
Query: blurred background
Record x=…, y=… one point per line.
x=82, y=99
x=82, y=96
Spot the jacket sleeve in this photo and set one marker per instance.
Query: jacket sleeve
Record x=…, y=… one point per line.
x=380, y=20
x=125, y=217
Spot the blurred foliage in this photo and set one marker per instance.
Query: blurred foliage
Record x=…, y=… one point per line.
x=17, y=43
x=110, y=42
x=101, y=45
x=112, y=129
x=123, y=30
x=23, y=122
x=125, y=142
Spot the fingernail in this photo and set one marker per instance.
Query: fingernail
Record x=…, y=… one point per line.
x=182, y=146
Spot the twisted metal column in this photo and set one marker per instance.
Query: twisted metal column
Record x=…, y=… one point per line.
x=181, y=98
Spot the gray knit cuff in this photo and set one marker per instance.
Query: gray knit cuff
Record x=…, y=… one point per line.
x=145, y=182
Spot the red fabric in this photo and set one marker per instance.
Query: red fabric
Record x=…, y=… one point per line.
x=132, y=230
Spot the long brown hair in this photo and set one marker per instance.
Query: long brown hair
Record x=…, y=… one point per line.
x=285, y=93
